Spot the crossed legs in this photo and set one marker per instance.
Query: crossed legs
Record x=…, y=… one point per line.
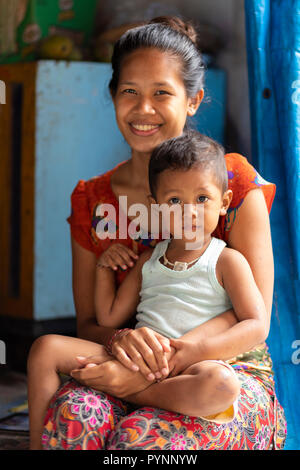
x=203, y=389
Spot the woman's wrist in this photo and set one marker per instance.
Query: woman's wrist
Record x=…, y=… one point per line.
x=117, y=334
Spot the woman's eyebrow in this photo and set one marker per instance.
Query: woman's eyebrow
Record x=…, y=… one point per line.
x=162, y=84
x=154, y=84
x=127, y=83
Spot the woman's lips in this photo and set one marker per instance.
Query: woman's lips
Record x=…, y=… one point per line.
x=144, y=129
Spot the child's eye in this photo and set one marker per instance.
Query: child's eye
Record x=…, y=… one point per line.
x=202, y=199
x=174, y=200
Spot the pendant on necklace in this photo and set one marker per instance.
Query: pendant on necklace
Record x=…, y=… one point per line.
x=180, y=266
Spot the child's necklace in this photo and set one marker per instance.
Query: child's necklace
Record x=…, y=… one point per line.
x=179, y=265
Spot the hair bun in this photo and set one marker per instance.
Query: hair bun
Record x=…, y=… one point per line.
x=178, y=25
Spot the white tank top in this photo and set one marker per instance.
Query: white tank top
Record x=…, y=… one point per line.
x=175, y=302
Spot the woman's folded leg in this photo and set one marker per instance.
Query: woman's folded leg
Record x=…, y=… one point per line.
x=81, y=418
x=259, y=424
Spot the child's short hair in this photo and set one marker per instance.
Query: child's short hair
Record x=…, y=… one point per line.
x=189, y=150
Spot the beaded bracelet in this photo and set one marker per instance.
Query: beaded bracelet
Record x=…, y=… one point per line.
x=100, y=265
x=117, y=333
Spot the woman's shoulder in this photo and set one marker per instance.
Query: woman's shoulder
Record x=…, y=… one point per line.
x=243, y=177
x=97, y=188
x=237, y=166
x=85, y=199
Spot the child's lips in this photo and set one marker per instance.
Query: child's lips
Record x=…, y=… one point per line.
x=192, y=227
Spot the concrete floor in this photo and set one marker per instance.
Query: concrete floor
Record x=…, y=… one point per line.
x=13, y=412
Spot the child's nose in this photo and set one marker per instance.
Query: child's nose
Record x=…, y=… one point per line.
x=193, y=214
x=191, y=209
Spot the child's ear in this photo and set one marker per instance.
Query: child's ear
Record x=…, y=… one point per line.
x=226, y=200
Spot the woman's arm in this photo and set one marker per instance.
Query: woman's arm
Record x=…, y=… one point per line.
x=248, y=305
x=251, y=236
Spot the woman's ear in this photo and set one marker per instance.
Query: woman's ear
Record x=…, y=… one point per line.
x=226, y=200
x=194, y=103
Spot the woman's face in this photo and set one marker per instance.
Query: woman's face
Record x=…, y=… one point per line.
x=150, y=102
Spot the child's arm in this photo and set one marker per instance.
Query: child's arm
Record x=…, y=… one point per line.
x=250, y=330
x=248, y=304
x=115, y=306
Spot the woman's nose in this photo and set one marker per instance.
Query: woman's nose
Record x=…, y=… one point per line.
x=145, y=106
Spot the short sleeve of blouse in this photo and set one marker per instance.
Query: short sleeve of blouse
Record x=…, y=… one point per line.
x=242, y=177
x=80, y=218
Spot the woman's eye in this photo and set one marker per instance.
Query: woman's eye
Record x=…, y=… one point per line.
x=202, y=199
x=161, y=92
x=129, y=90
x=174, y=200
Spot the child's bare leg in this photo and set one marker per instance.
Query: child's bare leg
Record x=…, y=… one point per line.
x=49, y=355
x=203, y=389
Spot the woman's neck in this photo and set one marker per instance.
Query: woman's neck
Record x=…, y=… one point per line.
x=138, y=168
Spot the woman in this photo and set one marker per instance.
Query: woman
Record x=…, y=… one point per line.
x=157, y=83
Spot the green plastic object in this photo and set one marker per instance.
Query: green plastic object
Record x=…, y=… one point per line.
x=26, y=24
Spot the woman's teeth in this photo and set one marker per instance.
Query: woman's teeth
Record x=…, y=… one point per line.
x=144, y=127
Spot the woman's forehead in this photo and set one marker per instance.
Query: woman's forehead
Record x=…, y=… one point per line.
x=152, y=64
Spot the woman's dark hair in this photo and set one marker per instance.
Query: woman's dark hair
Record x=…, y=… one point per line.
x=168, y=34
x=190, y=150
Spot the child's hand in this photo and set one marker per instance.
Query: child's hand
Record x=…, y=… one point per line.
x=117, y=255
x=184, y=356
x=145, y=350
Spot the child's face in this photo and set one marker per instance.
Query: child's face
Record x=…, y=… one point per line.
x=197, y=188
x=151, y=103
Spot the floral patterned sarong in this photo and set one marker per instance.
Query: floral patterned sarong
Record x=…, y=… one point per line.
x=84, y=419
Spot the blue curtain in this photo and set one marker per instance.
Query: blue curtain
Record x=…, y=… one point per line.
x=273, y=40
x=273, y=46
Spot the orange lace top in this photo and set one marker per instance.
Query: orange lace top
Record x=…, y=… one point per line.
x=87, y=195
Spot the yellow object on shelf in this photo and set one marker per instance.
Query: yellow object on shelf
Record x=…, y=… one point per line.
x=55, y=48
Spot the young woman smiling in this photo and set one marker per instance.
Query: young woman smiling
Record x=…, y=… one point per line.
x=157, y=82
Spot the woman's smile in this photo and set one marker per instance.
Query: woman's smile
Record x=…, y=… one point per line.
x=144, y=130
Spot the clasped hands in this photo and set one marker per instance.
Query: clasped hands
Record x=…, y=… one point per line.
x=140, y=358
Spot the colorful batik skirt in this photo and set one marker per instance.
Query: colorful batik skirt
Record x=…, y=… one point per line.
x=81, y=418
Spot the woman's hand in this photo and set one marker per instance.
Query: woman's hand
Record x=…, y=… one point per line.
x=145, y=350
x=109, y=377
x=117, y=255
